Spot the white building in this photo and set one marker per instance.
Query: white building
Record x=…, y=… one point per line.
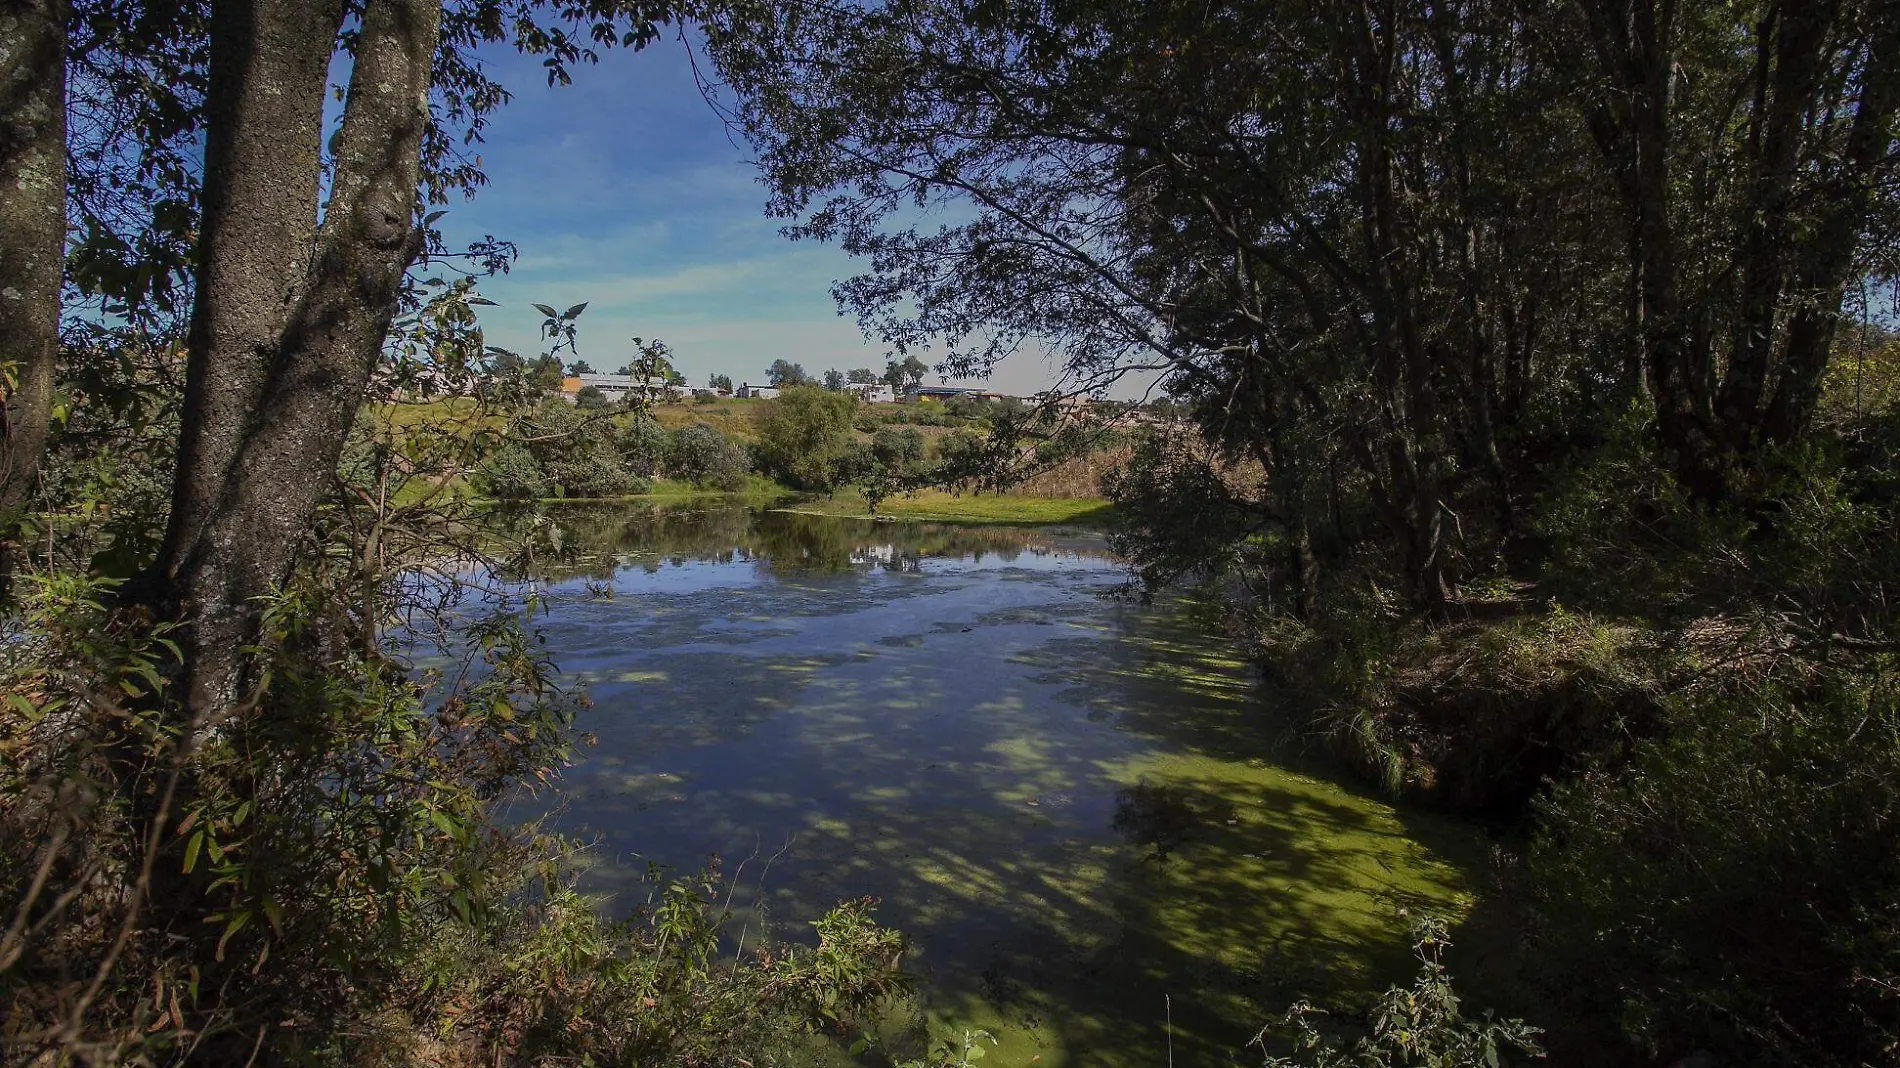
x=873, y=393
x=618, y=386
x=747, y=389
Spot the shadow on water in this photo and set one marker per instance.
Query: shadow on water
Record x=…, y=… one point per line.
x=1072, y=804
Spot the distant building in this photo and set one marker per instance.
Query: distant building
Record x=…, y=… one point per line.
x=941, y=393
x=873, y=392
x=747, y=389
x=617, y=386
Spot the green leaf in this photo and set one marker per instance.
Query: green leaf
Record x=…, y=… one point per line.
x=547, y=311
x=236, y=924
x=575, y=311
x=191, y=850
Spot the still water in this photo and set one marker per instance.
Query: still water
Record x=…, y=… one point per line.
x=1082, y=810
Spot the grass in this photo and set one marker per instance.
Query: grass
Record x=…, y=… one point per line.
x=954, y=508
x=757, y=487
x=735, y=417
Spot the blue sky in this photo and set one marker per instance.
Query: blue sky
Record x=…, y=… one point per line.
x=625, y=190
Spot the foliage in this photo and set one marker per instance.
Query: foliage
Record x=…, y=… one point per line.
x=784, y=374
x=708, y=459
x=962, y=1051
x=577, y=449
x=806, y=440
x=551, y=979
x=1406, y=284
x=327, y=862
x=644, y=446
x=511, y=473
x=907, y=373
x=1735, y=888
x=900, y=448
x=1420, y=1027
x=591, y=399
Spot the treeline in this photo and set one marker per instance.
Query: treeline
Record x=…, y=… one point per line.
x=808, y=440
x=1542, y=408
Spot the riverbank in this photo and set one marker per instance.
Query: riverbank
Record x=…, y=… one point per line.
x=944, y=507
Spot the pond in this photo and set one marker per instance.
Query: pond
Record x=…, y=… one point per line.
x=1083, y=811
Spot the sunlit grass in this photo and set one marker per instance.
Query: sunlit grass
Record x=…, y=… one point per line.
x=946, y=507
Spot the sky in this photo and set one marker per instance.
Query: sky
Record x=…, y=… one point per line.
x=625, y=190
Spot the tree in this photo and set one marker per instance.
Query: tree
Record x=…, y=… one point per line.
x=783, y=374
x=700, y=454
x=544, y=373
x=861, y=376
x=288, y=315
x=834, y=381
x=1787, y=193
x=590, y=398
x=579, y=367
x=899, y=448
x=32, y=242
x=807, y=438
x=719, y=382
x=1390, y=293
x=905, y=374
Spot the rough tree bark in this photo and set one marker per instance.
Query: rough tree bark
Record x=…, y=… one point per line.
x=32, y=236
x=291, y=317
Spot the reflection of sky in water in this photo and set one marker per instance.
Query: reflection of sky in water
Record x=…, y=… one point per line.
x=951, y=721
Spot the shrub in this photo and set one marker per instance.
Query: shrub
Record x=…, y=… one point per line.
x=644, y=446
x=806, y=440
x=579, y=451
x=1424, y=1025
x=1737, y=887
x=326, y=878
x=599, y=473
x=703, y=456
x=511, y=473
x=591, y=399
x=899, y=448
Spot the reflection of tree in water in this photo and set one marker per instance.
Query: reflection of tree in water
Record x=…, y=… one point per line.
x=1165, y=816
x=595, y=541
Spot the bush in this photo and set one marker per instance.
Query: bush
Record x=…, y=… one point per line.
x=511, y=473
x=806, y=440
x=1473, y=716
x=701, y=455
x=644, y=446
x=1737, y=887
x=332, y=871
x=591, y=399
x=1424, y=1026
x=579, y=451
x=899, y=448
x=597, y=474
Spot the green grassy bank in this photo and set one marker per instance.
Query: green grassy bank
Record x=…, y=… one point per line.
x=945, y=507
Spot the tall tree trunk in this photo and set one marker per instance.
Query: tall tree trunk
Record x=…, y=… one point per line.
x=32, y=240
x=1823, y=265
x=1784, y=94
x=1631, y=126
x=290, y=319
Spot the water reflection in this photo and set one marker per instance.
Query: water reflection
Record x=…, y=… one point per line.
x=593, y=541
